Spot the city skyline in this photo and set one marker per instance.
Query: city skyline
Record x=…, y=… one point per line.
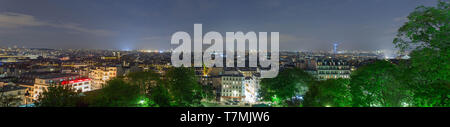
x=208, y=53
x=125, y=25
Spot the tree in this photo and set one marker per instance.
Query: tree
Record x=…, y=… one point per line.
x=183, y=86
x=151, y=85
x=428, y=77
x=287, y=84
x=428, y=27
x=329, y=93
x=119, y=93
x=427, y=32
x=58, y=96
x=208, y=92
x=377, y=85
x=160, y=95
x=145, y=79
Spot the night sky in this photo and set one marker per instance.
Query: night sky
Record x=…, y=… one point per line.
x=148, y=24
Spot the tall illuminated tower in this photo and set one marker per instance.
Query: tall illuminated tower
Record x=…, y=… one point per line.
x=335, y=45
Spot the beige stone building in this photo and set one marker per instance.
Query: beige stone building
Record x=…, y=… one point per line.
x=11, y=95
x=101, y=75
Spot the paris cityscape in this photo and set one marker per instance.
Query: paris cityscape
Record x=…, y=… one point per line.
x=45, y=62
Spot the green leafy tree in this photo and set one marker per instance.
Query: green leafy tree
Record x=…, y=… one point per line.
x=329, y=93
x=145, y=79
x=428, y=27
x=118, y=93
x=183, y=86
x=208, y=93
x=377, y=85
x=287, y=84
x=58, y=96
x=427, y=76
x=151, y=85
x=160, y=95
x=427, y=32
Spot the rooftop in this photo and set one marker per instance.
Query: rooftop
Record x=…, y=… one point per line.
x=58, y=75
x=11, y=88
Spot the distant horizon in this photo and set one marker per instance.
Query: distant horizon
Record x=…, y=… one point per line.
x=20, y=47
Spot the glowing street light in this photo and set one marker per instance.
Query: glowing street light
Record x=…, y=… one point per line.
x=141, y=101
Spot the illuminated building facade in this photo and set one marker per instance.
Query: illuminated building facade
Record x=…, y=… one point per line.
x=332, y=69
x=73, y=81
x=231, y=88
x=12, y=90
x=80, y=85
x=237, y=88
x=250, y=89
x=101, y=75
